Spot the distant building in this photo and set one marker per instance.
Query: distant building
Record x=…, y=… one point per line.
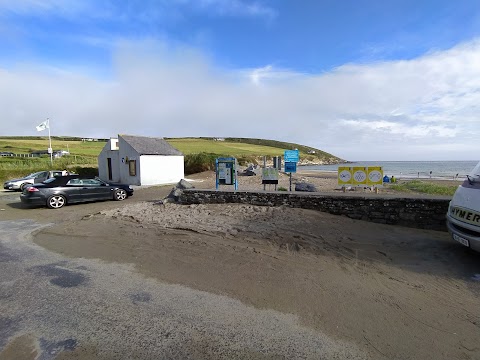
x=140, y=160
x=55, y=153
x=311, y=151
x=219, y=139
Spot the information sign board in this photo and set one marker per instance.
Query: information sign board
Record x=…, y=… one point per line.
x=290, y=167
x=344, y=175
x=269, y=176
x=226, y=173
x=375, y=176
x=291, y=156
x=359, y=175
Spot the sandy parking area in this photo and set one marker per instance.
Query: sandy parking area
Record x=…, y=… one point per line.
x=396, y=293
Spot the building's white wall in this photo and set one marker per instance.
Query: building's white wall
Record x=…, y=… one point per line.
x=103, y=165
x=150, y=169
x=126, y=152
x=113, y=144
x=161, y=169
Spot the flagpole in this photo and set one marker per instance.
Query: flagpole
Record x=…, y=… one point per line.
x=50, y=142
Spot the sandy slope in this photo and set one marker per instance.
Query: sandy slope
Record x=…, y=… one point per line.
x=397, y=293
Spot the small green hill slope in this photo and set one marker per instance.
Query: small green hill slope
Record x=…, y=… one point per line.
x=239, y=147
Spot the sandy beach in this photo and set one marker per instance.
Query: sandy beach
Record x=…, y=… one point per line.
x=387, y=291
x=325, y=182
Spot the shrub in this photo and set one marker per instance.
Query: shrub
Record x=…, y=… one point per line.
x=86, y=170
x=195, y=163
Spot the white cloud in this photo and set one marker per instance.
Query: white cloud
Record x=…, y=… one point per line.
x=422, y=109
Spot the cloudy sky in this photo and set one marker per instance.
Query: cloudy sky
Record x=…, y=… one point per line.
x=363, y=80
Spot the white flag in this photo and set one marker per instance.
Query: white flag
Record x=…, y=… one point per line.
x=44, y=125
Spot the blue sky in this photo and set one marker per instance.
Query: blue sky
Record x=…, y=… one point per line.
x=364, y=80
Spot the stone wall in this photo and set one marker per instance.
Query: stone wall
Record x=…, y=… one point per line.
x=412, y=211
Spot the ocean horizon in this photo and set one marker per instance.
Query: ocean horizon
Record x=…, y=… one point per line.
x=410, y=169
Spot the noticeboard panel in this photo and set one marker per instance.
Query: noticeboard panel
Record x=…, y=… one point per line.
x=291, y=156
x=290, y=167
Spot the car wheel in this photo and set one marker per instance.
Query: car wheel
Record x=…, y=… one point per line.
x=56, y=201
x=120, y=195
x=23, y=186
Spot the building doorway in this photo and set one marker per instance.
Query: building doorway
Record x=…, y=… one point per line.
x=109, y=166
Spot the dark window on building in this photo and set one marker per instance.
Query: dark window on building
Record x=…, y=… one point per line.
x=132, y=167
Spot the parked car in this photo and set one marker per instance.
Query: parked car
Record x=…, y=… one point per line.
x=463, y=217
x=6, y=153
x=20, y=184
x=59, y=191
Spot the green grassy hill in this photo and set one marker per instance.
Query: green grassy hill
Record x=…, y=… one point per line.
x=200, y=153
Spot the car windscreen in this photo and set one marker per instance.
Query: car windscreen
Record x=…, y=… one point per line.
x=474, y=175
x=34, y=175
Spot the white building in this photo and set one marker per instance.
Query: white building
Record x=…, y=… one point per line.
x=140, y=160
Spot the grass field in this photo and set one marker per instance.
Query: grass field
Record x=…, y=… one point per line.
x=195, y=146
x=425, y=187
x=185, y=145
x=25, y=146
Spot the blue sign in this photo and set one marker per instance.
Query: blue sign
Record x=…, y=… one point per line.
x=291, y=156
x=290, y=167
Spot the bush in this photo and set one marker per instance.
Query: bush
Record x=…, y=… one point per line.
x=245, y=160
x=195, y=163
x=86, y=171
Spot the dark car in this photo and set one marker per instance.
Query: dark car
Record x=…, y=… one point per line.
x=59, y=191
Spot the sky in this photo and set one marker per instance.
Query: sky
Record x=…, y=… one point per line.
x=360, y=79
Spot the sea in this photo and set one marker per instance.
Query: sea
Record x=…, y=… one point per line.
x=446, y=170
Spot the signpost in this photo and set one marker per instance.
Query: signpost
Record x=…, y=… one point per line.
x=290, y=167
x=291, y=158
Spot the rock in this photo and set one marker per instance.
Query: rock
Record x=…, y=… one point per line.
x=248, y=172
x=177, y=191
x=183, y=184
x=303, y=186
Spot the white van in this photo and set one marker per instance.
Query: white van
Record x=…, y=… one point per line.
x=463, y=217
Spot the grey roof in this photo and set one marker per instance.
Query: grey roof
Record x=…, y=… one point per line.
x=150, y=146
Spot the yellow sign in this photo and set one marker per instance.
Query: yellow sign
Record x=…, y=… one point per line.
x=359, y=175
x=375, y=176
x=344, y=175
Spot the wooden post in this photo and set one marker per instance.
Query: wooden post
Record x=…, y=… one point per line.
x=264, y=166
